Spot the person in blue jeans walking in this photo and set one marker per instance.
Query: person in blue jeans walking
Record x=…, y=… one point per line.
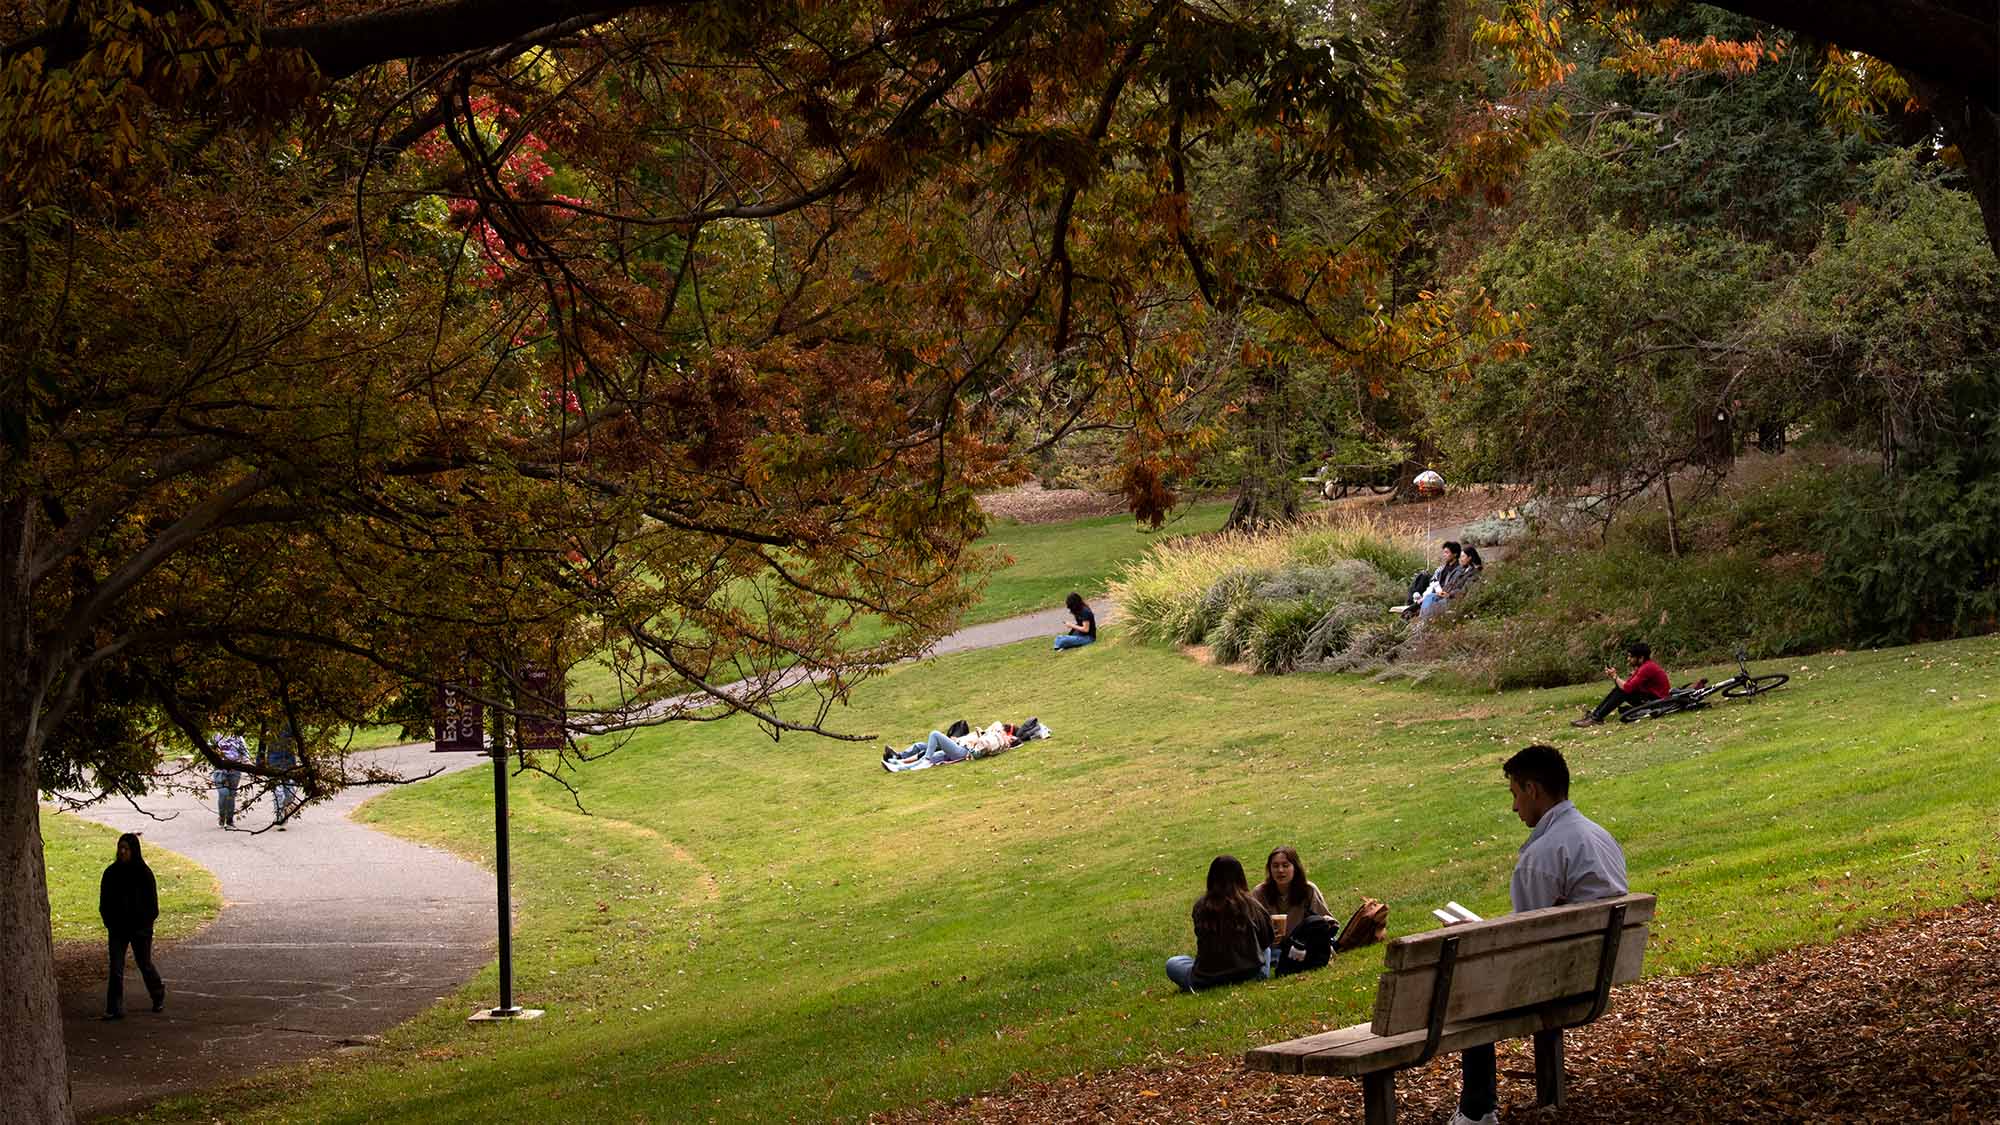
x=1084, y=630
x=235, y=751
x=283, y=754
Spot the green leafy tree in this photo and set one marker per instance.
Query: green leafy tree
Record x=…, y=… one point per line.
x=346, y=341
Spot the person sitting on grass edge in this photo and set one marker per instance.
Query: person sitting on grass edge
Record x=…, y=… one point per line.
x=1648, y=681
x=1084, y=630
x=1232, y=933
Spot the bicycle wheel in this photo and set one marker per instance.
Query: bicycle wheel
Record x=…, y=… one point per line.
x=1652, y=709
x=1755, y=685
x=1382, y=489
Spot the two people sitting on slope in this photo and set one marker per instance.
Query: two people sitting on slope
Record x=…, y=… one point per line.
x=1282, y=927
x=1429, y=590
x=1647, y=682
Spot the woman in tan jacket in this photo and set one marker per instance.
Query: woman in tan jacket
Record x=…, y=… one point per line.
x=1286, y=891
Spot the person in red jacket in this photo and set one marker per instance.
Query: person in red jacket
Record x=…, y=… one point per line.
x=1648, y=681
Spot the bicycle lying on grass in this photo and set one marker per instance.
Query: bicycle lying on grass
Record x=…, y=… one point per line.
x=1742, y=685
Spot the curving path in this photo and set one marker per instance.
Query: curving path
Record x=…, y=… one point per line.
x=330, y=932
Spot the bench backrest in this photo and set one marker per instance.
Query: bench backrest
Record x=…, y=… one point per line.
x=1509, y=962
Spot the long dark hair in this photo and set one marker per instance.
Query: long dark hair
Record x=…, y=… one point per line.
x=1227, y=907
x=1268, y=889
x=131, y=839
x=1472, y=559
x=1075, y=604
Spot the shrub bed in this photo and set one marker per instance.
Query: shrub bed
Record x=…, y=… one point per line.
x=1752, y=578
x=1283, y=600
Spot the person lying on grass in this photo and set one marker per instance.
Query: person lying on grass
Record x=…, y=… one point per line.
x=1232, y=933
x=1304, y=927
x=1647, y=682
x=941, y=749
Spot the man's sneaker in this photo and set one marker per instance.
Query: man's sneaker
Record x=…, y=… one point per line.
x=1461, y=1119
x=1587, y=721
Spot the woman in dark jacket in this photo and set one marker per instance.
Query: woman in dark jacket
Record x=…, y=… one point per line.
x=1231, y=933
x=128, y=900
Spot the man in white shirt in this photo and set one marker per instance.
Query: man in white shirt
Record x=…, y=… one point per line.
x=1566, y=859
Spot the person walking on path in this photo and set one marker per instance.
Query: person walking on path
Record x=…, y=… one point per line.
x=237, y=752
x=1568, y=858
x=282, y=754
x=129, y=900
x=1084, y=630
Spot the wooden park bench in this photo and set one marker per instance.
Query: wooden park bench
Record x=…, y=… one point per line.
x=1529, y=974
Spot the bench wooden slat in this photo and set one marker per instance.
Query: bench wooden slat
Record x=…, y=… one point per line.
x=1358, y=1050
x=1529, y=926
x=1505, y=979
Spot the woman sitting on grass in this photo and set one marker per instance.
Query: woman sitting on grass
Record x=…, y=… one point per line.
x=1306, y=942
x=1232, y=933
x=1084, y=630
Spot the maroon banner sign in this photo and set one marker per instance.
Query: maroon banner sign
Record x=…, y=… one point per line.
x=538, y=723
x=459, y=719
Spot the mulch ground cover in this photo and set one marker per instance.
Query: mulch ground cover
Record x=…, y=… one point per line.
x=1896, y=1023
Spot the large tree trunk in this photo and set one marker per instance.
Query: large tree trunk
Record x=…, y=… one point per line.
x=1975, y=129
x=1266, y=494
x=36, y=1087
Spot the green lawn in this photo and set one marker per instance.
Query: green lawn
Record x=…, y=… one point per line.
x=743, y=930
x=1051, y=559
x=76, y=853
x=1035, y=567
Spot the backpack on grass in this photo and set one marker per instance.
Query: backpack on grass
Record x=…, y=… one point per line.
x=1367, y=925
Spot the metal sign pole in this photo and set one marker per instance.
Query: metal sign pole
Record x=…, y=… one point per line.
x=507, y=1010
x=506, y=1007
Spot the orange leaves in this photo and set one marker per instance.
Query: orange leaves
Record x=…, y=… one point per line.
x=1530, y=35
x=1170, y=211
x=1853, y=87
x=1672, y=58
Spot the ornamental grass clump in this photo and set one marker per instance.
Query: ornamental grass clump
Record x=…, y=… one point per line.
x=1281, y=599
x=1207, y=612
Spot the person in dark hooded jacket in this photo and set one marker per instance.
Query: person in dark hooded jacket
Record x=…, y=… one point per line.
x=129, y=900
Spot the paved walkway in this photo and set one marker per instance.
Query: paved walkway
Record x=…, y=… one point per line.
x=330, y=932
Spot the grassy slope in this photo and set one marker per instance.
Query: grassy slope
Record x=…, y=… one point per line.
x=1051, y=559
x=745, y=930
x=77, y=851
x=1037, y=566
